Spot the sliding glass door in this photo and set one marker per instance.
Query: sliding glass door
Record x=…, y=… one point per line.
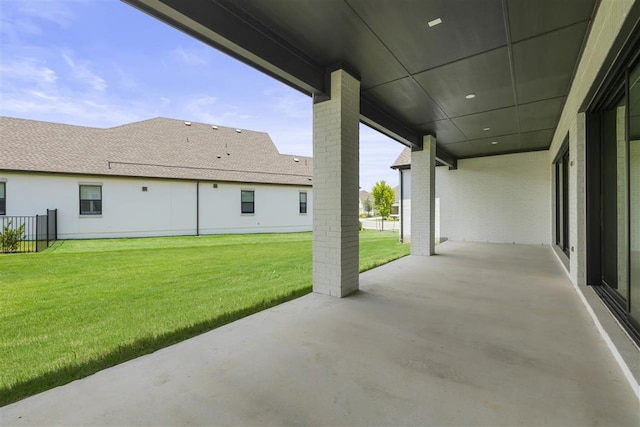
x=613, y=153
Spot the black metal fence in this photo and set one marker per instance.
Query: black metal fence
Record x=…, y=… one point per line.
x=39, y=231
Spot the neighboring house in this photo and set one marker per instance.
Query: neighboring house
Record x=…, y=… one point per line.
x=395, y=208
x=363, y=196
x=156, y=177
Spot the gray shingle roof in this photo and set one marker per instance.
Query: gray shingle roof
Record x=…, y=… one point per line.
x=403, y=160
x=155, y=148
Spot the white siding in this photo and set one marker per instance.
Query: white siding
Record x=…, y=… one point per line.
x=168, y=207
x=276, y=209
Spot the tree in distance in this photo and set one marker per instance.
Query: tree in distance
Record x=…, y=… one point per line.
x=367, y=205
x=383, y=196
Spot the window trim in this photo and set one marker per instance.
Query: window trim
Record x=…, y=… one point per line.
x=3, y=200
x=562, y=166
x=302, y=206
x=80, y=199
x=252, y=202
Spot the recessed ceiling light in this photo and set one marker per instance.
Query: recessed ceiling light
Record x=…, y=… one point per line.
x=485, y=129
x=470, y=96
x=494, y=142
x=434, y=22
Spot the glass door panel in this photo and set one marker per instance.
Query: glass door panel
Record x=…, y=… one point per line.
x=634, y=191
x=614, y=198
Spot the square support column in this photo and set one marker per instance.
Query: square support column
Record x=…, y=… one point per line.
x=335, y=187
x=423, y=198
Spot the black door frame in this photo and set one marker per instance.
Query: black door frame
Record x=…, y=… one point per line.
x=614, y=83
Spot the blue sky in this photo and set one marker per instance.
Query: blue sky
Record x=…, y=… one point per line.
x=103, y=63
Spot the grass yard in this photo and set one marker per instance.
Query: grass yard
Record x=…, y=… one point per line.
x=85, y=305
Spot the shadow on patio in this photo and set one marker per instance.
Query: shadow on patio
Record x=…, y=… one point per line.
x=482, y=334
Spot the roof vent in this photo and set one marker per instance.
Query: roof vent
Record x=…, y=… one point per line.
x=187, y=123
x=295, y=159
x=219, y=156
x=239, y=130
x=309, y=178
x=214, y=127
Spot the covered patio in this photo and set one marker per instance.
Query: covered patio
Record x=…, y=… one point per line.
x=480, y=334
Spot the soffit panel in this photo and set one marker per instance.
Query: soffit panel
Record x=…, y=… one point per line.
x=537, y=140
x=487, y=75
x=444, y=130
x=540, y=115
x=330, y=33
x=505, y=143
x=544, y=64
x=461, y=149
x=500, y=122
x=468, y=28
x=529, y=18
x=409, y=101
x=387, y=42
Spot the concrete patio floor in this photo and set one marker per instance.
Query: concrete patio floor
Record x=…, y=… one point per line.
x=481, y=334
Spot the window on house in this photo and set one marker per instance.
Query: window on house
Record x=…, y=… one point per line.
x=3, y=199
x=90, y=200
x=303, y=202
x=562, y=198
x=247, y=199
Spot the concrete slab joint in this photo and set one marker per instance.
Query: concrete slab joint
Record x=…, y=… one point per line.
x=335, y=181
x=423, y=193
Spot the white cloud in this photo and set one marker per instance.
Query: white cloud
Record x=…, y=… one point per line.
x=27, y=70
x=125, y=79
x=377, y=154
x=289, y=103
x=210, y=109
x=294, y=139
x=42, y=95
x=71, y=109
x=57, y=12
x=81, y=71
x=190, y=56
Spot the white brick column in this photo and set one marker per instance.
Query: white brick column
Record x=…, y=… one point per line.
x=578, y=201
x=335, y=187
x=423, y=198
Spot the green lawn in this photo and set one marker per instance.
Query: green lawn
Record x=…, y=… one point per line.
x=84, y=305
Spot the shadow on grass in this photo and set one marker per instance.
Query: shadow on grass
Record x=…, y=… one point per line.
x=380, y=263
x=138, y=348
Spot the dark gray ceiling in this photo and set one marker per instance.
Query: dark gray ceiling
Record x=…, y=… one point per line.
x=517, y=56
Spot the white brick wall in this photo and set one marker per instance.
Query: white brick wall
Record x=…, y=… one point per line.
x=577, y=200
x=497, y=199
x=423, y=198
x=335, y=184
x=606, y=26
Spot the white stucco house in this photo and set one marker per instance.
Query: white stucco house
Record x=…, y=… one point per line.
x=157, y=177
